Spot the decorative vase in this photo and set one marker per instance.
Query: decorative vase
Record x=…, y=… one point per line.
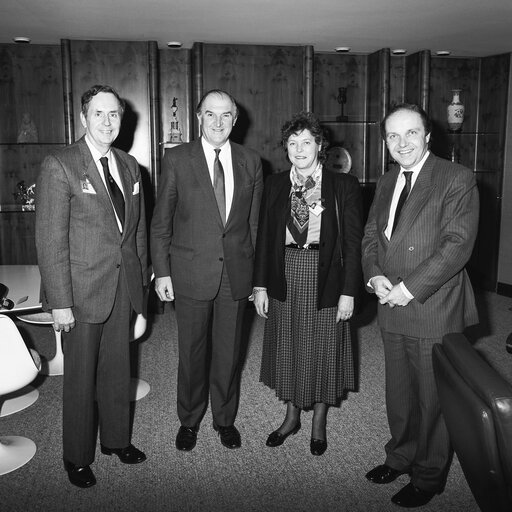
x=455, y=112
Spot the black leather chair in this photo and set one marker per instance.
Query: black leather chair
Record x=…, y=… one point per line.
x=477, y=405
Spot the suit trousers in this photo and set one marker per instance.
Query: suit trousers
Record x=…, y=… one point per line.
x=97, y=368
x=419, y=439
x=205, y=367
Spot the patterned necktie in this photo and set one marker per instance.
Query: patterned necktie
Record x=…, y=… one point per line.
x=403, y=196
x=218, y=186
x=114, y=191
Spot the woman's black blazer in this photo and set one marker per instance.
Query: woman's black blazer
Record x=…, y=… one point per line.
x=339, y=264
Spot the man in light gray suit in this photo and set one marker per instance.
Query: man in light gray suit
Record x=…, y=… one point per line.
x=91, y=248
x=203, y=235
x=419, y=236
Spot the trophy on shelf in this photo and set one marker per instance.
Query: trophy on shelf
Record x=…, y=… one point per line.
x=342, y=99
x=175, y=132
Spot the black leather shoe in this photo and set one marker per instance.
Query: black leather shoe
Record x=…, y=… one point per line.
x=81, y=476
x=277, y=439
x=383, y=474
x=410, y=496
x=318, y=446
x=186, y=438
x=229, y=436
x=128, y=455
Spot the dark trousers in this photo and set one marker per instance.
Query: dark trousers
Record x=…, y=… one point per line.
x=97, y=368
x=419, y=440
x=201, y=369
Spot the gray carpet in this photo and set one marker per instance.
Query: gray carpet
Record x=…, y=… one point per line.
x=254, y=478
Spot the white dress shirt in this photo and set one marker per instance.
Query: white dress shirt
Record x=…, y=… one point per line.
x=227, y=166
x=400, y=184
x=114, y=172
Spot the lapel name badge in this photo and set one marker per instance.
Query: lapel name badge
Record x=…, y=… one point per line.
x=86, y=185
x=316, y=208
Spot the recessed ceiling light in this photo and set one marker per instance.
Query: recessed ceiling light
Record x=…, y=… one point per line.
x=443, y=53
x=342, y=49
x=174, y=44
x=22, y=40
x=399, y=51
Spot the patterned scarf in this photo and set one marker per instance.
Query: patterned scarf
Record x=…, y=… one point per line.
x=298, y=220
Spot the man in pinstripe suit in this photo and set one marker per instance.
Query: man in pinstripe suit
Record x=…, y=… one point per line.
x=415, y=266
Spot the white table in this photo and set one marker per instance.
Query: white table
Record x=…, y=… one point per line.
x=23, y=283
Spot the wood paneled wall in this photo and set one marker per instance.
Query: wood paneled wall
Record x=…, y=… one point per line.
x=267, y=83
x=270, y=83
x=30, y=93
x=126, y=67
x=31, y=84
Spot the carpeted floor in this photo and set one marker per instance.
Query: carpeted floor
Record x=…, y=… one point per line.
x=213, y=478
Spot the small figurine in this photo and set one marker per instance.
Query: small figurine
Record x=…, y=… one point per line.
x=28, y=130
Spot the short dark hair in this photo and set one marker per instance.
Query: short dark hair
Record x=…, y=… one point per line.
x=306, y=121
x=219, y=92
x=88, y=95
x=411, y=107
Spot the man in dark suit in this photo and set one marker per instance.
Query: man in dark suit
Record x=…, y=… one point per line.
x=203, y=235
x=91, y=248
x=414, y=253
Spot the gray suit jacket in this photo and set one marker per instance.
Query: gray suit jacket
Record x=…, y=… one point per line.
x=80, y=250
x=428, y=250
x=188, y=239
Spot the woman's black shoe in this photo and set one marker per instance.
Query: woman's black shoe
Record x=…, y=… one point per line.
x=277, y=439
x=318, y=446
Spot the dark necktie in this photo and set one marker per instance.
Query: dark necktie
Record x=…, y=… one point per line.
x=114, y=191
x=402, y=198
x=218, y=186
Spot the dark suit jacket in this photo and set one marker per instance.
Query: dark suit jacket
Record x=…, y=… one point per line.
x=80, y=250
x=339, y=266
x=428, y=250
x=188, y=240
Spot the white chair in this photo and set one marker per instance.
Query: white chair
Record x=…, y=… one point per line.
x=17, y=369
x=139, y=388
x=19, y=397
x=54, y=366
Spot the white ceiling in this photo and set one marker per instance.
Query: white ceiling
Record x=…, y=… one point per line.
x=466, y=27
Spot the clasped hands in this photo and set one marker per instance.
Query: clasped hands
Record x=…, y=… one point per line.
x=387, y=293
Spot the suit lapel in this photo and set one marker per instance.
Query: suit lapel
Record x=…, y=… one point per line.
x=418, y=198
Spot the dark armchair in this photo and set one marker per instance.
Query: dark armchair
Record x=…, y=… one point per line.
x=477, y=405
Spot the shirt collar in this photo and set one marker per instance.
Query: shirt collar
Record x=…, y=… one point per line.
x=96, y=155
x=415, y=169
x=208, y=148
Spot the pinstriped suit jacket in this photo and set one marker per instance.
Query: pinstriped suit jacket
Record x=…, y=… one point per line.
x=428, y=250
x=80, y=250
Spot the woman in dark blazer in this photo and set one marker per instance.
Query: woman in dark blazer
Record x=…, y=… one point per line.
x=307, y=272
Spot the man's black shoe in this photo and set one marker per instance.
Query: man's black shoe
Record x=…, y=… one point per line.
x=383, y=474
x=186, y=438
x=81, y=476
x=128, y=455
x=229, y=436
x=411, y=496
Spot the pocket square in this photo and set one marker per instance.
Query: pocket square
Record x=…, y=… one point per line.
x=135, y=189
